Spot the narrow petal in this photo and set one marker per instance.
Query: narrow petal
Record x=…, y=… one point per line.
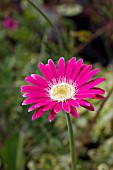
x=66, y=107
x=86, y=104
x=38, y=113
x=40, y=80
x=82, y=67
x=97, y=96
x=83, y=72
x=83, y=96
x=91, y=83
x=91, y=91
x=45, y=71
x=28, y=101
x=76, y=69
x=83, y=102
x=35, y=94
x=96, y=90
x=73, y=103
x=91, y=107
x=31, y=100
x=28, y=88
x=52, y=68
x=31, y=80
x=87, y=77
x=74, y=112
x=58, y=107
x=52, y=115
x=49, y=106
x=61, y=67
x=70, y=67
x=43, y=103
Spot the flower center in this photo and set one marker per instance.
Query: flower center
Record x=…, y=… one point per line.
x=62, y=92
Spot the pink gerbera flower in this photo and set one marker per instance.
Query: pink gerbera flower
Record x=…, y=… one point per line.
x=65, y=88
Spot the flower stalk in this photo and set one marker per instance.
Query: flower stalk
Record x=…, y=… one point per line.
x=71, y=140
x=60, y=44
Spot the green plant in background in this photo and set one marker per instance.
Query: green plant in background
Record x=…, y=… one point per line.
x=12, y=153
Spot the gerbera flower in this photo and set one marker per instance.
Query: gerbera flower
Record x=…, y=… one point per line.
x=65, y=88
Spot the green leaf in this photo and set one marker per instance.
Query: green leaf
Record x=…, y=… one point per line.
x=12, y=153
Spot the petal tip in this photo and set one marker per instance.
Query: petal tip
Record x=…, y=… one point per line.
x=21, y=87
x=103, y=78
x=33, y=75
x=26, y=78
x=33, y=118
x=50, y=120
x=50, y=60
x=21, y=90
x=40, y=64
x=98, y=69
x=29, y=110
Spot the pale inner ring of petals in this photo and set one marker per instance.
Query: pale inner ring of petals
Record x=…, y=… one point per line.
x=62, y=92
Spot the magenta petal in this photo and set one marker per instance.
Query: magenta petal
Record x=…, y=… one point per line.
x=73, y=103
x=52, y=68
x=76, y=69
x=45, y=71
x=83, y=96
x=74, y=112
x=43, y=103
x=83, y=72
x=58, y=107
x=40, y=80
x=70, y=67
x=91, y=107
x=28, y=88
x=97, y=96
x=96, y=90
x=66, y=107
x=49, y=106
x=91, y=83
x=38, y=113
x=80, y=92
x=61, y=67
x=33, y=107
x=35, y=94
x=31, y=80
x=87, y=77
x=31, y=100
x=82, y=67
x=83, y=102
x=52, y=115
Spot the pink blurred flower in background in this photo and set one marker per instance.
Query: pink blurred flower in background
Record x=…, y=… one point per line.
x=65, y=88
x=10, y=24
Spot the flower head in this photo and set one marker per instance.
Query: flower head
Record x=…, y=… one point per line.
x=10, y=23
x=65, y=88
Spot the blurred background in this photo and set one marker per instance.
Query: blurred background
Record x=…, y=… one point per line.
x=26, y=38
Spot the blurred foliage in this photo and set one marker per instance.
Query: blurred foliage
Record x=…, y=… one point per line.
x=40, y=144
x=83, y=36
x=13, y=147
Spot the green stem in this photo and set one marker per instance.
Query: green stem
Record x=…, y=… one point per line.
x=51, y=24
x=71, y=139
